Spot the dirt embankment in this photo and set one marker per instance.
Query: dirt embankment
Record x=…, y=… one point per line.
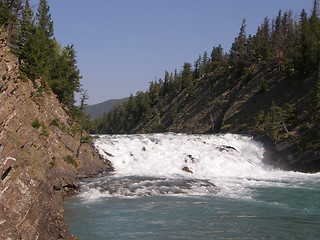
x=38, y=162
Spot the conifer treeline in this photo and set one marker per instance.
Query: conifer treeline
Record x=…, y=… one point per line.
x=284, y=44
x=31, y=37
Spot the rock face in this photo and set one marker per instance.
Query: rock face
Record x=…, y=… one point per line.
x=38, y=163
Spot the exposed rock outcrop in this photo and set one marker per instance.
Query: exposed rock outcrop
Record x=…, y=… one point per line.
x=38, y=163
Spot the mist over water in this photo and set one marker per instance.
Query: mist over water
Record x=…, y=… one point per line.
x=178, y=186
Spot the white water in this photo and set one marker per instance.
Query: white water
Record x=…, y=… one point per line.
x=224, y=192
x=155, y=164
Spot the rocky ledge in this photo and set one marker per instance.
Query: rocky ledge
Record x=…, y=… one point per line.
x=39, y=164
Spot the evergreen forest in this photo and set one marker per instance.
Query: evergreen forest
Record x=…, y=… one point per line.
x=31, y=37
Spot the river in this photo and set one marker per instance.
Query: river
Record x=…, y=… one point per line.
x=179, y=186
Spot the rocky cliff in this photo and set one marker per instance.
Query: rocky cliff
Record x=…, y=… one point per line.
x=39, y=165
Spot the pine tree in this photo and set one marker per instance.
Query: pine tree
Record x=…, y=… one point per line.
x=238, y=52
x=290, y=39
x=166, y=84
x=277, y=37
x=5, y=13
x=132, y=110
x=307, y=57
x=154, y=92
x=217, y=54
x=205, y=59
x=262, y=41
x=315, y=29
x=27, y=28
x=10, y=11
x=186, y=76
x=316, y=108
x=43, y=17
x=65, y=76
x=176, y=83
x=143, y=103
x=197, y=67
x=39, y=49
x=217, y=60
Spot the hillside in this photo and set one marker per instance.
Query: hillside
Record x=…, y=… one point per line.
x=97, y=110
x=266, y=86
x=230, y=108
x=42, y=155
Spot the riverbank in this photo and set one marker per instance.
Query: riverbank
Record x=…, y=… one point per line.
x=42, y=156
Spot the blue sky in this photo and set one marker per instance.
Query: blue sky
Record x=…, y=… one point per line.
x=123, y=45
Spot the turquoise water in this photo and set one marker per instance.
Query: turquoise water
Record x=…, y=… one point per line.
x=289, y=211
x=227, y=194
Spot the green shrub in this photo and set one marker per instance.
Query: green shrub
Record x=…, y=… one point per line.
x=52, y=164
x=36, y=124
x=274, y=121
x=55, y=122
x=44, y=133
x=264, y=86
x=70, y=160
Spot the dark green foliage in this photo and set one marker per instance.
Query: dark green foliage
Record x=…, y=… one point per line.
x=238, y=53
x=217, y=54
x=53, y=163
x=70, y=160
x=187, y=76
x=307, y=57
x=65, y=76
x=10, y=10
x=264, y=86
x=37, y=55
x=219, y=60
x=36, y=124
x=38, y=47
x=41, y=57
x=197, y=68
x=275, y=121
x=174, y=112
x=43, y=18
x=262, y=41
x=314, y=143
x=156, y=125
x=5, y=14
x=55, y=122
x=40, y=125
x=316, y=109
x=27, y=28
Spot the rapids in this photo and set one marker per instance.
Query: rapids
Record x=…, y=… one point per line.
x=179, y=186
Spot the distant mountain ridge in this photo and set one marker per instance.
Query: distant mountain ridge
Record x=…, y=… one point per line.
x=97, y=110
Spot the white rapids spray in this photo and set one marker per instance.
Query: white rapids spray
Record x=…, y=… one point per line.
x=207, y=156
x=181, y=164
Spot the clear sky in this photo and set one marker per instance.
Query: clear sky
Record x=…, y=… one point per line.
x=123, y=45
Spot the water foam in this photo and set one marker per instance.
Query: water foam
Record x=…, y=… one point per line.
x=206, y=156
x=181, y=164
